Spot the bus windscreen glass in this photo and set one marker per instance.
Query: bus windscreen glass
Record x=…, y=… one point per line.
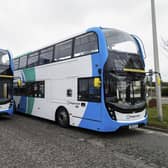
x=122, y=51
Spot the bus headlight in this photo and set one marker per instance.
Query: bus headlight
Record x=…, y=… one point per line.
x=112, y=113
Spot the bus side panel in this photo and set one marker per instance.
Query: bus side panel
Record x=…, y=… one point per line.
x=93, y=114
x=58, y=78
x=21, y=105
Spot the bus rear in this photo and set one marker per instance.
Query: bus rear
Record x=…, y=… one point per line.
x=6, y=83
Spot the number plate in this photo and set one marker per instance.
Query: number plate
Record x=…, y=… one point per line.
x=133, y=126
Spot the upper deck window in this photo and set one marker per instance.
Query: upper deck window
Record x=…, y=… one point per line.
x=120, y=41
x=123, y=51
x=63, y=50
x=85, y=44
x=46, y=55
x=33, y=59
x=23, y=61
x=16, y=63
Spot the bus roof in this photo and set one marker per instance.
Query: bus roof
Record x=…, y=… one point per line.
x=18, y=56
x=69, y=37
x=64, y=39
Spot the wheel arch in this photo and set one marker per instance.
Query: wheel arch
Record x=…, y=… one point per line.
x=59, y=108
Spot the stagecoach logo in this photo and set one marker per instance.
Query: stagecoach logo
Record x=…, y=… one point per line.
x=132, y=116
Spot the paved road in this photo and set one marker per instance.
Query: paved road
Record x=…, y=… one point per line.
x=27, y=142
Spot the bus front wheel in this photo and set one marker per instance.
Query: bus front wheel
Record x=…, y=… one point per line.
x=62, y=117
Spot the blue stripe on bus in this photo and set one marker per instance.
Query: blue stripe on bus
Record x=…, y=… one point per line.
x=22, y=104
x=93, y=110
x=91, y=118
x=101, y=57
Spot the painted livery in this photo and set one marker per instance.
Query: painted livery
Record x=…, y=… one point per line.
x=94, y=80
x=6, y=82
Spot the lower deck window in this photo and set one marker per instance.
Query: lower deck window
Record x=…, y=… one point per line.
x=5, y=90
x=31, y=89
x=87, y=91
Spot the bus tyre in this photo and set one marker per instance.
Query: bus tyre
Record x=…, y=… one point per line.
x=62, y=117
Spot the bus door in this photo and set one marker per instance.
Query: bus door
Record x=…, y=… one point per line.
x=86, y=103
x=35, y=98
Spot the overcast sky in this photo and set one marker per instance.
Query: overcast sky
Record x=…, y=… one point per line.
x=27, y=25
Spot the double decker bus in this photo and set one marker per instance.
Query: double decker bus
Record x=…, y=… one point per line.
x=94, y=80
x=6, y=82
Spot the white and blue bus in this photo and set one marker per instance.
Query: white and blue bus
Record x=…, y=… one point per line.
x=94, y=80
x=6, y=82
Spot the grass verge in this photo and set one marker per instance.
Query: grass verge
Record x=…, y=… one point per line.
x=153, y=117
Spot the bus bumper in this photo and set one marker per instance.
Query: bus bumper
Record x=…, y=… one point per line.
x=109, y=125
x=114, y=125
x=7, y=111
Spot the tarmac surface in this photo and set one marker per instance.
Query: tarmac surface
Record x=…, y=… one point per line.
x=29, y=142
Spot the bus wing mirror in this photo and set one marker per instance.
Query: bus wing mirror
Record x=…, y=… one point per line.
x=97, y=82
